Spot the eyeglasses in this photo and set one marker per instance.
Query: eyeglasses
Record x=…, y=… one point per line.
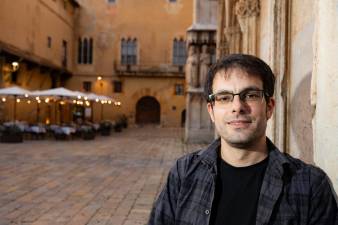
x=246, y=96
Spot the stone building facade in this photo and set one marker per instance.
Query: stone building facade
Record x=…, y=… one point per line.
x=38, y=35
x=140, y=54
x=298, y=40
x=122, y=49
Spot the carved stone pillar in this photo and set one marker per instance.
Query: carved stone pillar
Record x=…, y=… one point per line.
x=192, y=67
x=247, y=12
x=205, y=62
x=233, y=38
x=198, y=126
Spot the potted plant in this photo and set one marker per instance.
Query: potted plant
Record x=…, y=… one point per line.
x=118, y=126
x=12, y=134
x=124, y=121
x=105, y=128
x=87, y=132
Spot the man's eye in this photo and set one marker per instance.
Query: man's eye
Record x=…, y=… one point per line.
x=251, y=95
x=224, y=98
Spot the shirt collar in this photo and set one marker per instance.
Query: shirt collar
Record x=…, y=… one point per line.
x=277, y=160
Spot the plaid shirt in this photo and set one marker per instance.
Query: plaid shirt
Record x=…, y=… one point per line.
x=292, y=192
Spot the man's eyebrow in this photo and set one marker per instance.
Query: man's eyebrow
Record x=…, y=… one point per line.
x=249, y=88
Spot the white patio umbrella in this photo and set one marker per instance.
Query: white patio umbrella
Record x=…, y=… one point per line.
x=14, y=91
x=56, y=93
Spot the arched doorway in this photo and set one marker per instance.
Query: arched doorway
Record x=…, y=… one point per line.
x=183, y=118
x=148, y=110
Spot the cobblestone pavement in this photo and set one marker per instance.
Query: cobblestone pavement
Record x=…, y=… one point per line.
x=110, y=180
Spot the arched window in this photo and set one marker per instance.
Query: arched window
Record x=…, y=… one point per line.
x=79, y=52
x=179, y=52
x=90, y=55
x=85, y=51
x=128, y=51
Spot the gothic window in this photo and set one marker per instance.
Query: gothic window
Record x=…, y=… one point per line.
x=64, y=53
x=85, y=51
x=128, y=51
x=179, y=52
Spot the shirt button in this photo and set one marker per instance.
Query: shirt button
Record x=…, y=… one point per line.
x=207, y=212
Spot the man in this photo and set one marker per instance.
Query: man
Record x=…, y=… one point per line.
x=242, y=178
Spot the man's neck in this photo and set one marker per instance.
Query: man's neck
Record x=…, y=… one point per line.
x=241, y=157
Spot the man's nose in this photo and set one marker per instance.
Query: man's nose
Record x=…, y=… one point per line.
x=238, y=105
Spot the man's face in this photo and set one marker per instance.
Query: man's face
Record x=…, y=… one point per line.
x=240, y=124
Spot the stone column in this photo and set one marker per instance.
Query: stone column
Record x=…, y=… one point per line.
x=247, y=12
x=233, y=38
x=198, y=127
x=192, y=67
x=324, y=92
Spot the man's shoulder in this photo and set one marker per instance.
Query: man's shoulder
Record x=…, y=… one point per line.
x=304, y=174
x=301, y=167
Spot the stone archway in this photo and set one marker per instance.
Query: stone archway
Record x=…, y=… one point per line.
x=148, y=111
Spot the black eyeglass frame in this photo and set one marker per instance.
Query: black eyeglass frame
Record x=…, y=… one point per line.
x=211, y=97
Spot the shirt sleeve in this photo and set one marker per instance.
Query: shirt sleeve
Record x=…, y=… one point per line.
x=163, y=212
x=323, y=205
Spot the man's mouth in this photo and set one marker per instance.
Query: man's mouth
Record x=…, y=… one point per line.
x=239, y=123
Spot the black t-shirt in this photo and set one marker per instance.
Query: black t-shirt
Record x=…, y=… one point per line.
x=237, y=192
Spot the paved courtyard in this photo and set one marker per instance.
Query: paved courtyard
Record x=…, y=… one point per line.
x=110, y=180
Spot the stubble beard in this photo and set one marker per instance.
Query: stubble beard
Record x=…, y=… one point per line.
x=242, y=138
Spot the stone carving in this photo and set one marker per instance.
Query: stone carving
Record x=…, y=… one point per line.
x=192, y=67
x=204, y=64
x=247, y=12
x=246, y=8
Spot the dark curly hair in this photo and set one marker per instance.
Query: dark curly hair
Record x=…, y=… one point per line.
x=250, y=64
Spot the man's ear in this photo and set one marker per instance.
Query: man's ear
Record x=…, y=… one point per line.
x=211, y=111
x=270, y=106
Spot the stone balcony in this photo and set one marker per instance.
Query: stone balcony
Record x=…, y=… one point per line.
x=150, y=70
